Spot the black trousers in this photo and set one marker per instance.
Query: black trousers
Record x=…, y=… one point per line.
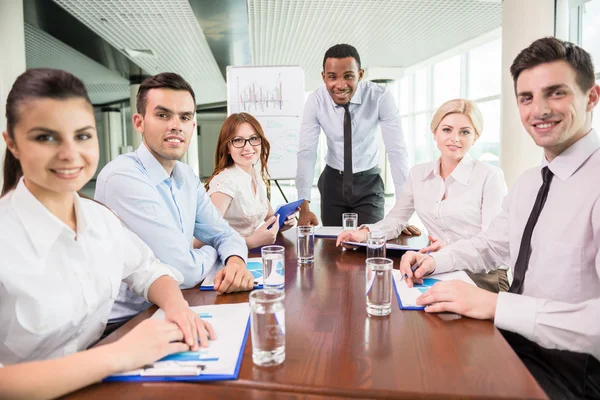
x=367, y=199
x=562, y=374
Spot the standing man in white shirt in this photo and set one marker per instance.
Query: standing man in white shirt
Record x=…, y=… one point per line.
x=548, y=231
x=349, y=112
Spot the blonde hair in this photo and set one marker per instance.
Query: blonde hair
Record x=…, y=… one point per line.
x=459, y=106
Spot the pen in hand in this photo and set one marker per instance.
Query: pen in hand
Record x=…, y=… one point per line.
x=417, y=264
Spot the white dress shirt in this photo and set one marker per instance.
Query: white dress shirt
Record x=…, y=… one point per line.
x=371, y=105
x=560, y=304
x=247, y=210
x=456, y=208
x=57, y=286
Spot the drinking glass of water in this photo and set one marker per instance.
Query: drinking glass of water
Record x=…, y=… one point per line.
x=273, y=258
x=376, y=245
x=379, y=286
x=306, y=244
x=267, y=323
x=349, y=221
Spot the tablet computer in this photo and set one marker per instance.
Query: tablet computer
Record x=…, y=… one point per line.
x=286, y=210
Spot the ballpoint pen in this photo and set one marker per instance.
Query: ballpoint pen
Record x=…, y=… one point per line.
x=417, y=264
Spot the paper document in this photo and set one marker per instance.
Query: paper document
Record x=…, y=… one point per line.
x=220, y=360
x=407, y=297
x=388, y=246
x=328, y=231
x=254, y=265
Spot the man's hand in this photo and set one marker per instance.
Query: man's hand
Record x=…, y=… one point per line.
x=460, y=298
x=414, y=266
x=234, y=277
x=306, y=216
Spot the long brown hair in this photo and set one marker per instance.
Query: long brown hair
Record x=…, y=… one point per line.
x=36, y=83
x=229, y=129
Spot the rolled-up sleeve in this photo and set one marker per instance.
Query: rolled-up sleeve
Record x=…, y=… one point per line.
x=307, y=151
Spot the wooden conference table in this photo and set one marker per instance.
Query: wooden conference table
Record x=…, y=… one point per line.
x=333, y=350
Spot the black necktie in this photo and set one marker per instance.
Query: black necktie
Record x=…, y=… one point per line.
x=525, y=249
x=347, y=152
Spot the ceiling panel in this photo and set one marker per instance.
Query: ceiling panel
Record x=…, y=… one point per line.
x=386, y=33
x=157, y=35
x=45, y=51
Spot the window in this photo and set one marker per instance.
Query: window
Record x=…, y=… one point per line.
x=485, y=70
x=590, y=30
x=474, y=74
x=446, y=80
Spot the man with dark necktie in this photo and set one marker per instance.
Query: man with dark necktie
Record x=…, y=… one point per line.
x=548, y=232
x=349, y=112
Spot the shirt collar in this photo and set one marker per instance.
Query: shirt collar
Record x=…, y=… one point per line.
x=43, y=227
x=356, y=98
x=569, y=161
x=462, y=172
x=154, y=169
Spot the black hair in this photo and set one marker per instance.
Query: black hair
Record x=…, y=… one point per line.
x=168, y=80
x=550, y=49
x=342, y=51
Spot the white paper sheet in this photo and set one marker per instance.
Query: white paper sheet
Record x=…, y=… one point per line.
x=328, y=231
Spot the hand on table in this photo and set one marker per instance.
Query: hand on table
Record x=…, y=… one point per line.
x=460, y=298
x=234, y=277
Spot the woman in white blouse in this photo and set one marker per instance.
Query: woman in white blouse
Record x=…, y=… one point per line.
x=64, y=257
x=238, y=185
x=455, y=196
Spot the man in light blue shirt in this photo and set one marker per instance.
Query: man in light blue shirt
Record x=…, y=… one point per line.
x=163, y=201
x=349, y=112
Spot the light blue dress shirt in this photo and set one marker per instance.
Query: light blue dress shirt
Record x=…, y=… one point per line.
x=166, y=212
x=371, y=106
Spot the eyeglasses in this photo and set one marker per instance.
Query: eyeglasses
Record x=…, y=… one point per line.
x=240, y=142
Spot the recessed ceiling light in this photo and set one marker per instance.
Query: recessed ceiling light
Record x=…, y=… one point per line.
x=139, y=53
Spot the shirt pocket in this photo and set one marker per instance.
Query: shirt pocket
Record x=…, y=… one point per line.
x=558, y=272
x=39, y=321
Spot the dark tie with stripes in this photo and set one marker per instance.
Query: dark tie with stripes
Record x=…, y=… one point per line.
x=347, y=151
x=525, y=249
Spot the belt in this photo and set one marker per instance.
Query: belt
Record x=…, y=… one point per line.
x=372, y=171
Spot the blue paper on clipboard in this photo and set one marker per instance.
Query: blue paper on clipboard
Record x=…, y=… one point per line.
x=286, y=210
x=254, y=265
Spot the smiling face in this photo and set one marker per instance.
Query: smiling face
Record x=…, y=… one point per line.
x=245, y=157
x=554, y=110
x=341, y=77
x=167, y=125
x=454, y=136
x=57, y=145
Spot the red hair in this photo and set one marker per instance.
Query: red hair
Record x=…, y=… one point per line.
x=229, y=129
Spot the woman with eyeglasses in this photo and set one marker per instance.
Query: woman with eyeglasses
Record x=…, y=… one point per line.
x=238, y=185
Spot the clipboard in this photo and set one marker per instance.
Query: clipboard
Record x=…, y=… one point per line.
x=286, y=210
x=193, y=378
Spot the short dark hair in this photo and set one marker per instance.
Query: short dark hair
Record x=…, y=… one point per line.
x=35, y=83
x=342, y=51
x=550, y=49
x=168, y=80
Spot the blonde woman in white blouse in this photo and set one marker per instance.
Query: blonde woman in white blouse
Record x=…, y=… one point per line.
x=455, y=197
x=238, y=185
x=64, y=257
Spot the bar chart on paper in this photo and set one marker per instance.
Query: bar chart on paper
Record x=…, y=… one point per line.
x=274, y=95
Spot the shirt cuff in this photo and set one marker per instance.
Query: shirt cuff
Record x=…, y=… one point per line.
x=443, y=262
x=304, y=193
x=516, y=313
x=226, y=255
x=161, y=269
